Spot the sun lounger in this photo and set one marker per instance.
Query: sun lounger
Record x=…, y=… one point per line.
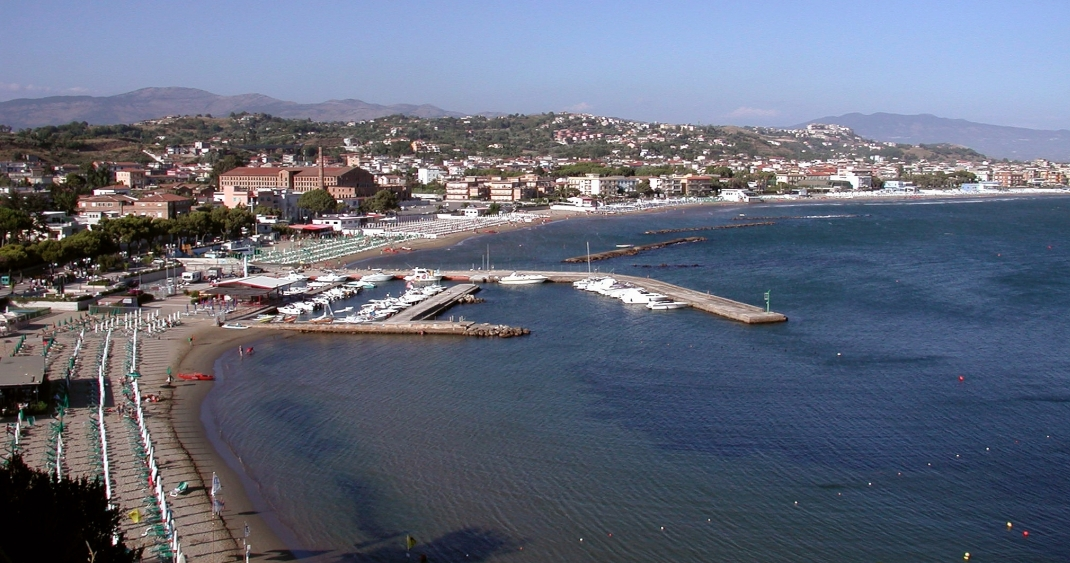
x=180, y=489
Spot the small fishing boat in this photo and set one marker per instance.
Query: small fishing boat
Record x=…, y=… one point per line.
x=625, y=245
x=666, y=305
x=196, y=376
x=235, y=326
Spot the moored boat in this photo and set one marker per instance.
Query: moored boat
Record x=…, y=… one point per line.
x=377, y=276
x=666, y=305
x=423, y=275
x=522, y=279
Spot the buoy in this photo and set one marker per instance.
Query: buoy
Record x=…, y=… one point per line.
x=1025, y=533
x=962, y=378
x=663, y=528
x=966, y=556
x=610, y=534
x=838, y=354
x=1009, y=525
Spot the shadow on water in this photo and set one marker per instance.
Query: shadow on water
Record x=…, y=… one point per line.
x=469, y=544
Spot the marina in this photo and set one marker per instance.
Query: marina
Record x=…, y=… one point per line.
x=707, y=302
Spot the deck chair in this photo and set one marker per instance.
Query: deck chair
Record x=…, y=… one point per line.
x=180, y=489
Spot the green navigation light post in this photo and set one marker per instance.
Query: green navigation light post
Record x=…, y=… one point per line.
x=766, y=301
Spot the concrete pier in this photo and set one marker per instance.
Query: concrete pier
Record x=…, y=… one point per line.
x=709, y=303
x=434, y=305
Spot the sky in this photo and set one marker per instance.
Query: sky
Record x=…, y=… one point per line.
x=755, y=62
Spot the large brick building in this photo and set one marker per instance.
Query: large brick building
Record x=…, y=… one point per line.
x=241, y=185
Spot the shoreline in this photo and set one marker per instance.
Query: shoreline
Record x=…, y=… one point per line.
x=270, y=538
x=209, y=452
x=350, y=261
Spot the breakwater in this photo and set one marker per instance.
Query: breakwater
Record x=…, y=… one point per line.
x=631, y=251
x=707, y=228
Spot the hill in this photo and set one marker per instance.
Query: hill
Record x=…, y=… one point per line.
x=154, y=103
x=996, y=141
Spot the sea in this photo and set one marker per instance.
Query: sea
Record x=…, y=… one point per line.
x=915, y=407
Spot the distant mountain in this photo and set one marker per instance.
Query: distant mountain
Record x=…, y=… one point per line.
x=996, y=141
x=152, y=103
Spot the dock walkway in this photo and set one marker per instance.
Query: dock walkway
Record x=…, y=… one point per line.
x=434, y=305
x=709, y=303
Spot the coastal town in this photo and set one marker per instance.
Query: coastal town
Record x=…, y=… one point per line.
x=126, y=279
x=630, y=161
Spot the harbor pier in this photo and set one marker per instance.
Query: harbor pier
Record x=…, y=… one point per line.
x=707, y=302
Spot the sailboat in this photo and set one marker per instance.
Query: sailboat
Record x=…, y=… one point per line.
x=582, y=284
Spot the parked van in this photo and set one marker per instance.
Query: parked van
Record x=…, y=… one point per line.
x=191, y=277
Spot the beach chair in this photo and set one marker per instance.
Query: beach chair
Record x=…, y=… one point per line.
x=180, y=489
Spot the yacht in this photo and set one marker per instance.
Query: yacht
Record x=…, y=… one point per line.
x=377, y=276
x=331, y=277
x=522, y=279
x=423, y=275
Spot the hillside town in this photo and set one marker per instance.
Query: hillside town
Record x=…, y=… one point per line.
x=642, y=160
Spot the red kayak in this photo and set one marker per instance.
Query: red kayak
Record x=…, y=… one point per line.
x=196, y=376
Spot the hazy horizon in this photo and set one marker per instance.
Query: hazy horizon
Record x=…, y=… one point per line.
x=765, y=64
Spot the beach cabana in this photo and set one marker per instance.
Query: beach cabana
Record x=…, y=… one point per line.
x=20, y=378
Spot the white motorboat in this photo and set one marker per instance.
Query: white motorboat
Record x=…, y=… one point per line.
x=522, y=279
x=423, y=275
x=331, y=277
x=237, y=326
x=377, y=276
x=666, y=305
x=639, y=295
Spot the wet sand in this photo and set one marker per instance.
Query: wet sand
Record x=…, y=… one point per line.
x=200, y=439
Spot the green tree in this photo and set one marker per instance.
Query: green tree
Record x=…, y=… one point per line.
x=494, y=209
x=225, y=164
x=236, y=220
x=97, y=176
x=81, y=524
x=12, y=223
x=88, y=244
x=384, y=200
x=643, y=188
x=14, y=256
x=318, y=201
x=53, y=252
x=64, y=198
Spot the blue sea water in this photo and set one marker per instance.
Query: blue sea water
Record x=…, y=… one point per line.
x=613, y=433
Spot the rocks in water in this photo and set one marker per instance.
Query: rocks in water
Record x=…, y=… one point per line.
x=501, y=331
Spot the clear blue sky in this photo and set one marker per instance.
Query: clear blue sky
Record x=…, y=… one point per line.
x=752, y=63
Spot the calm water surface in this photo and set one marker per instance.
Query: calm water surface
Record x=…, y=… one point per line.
x=613, y=433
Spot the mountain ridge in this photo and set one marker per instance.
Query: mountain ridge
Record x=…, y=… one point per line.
x=996, y=141
x=157, y=102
